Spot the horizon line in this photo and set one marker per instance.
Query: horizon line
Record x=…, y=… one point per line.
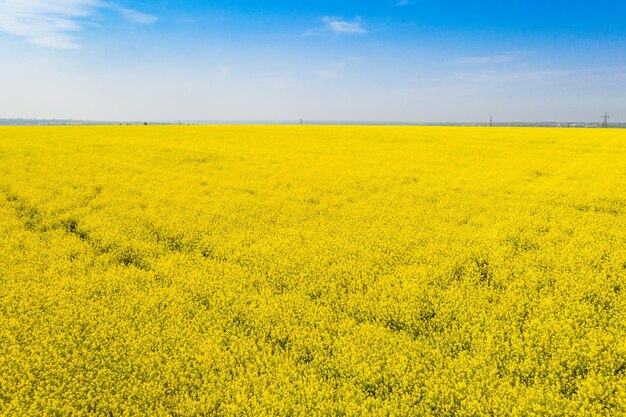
x=64, y=122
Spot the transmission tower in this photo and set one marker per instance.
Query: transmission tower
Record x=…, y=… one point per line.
x=491, y=121
x=605, y=122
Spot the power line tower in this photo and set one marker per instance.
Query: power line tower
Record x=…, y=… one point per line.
x=491, y=121
x=605, y=122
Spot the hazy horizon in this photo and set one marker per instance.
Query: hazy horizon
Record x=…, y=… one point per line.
x=502, y=123
x=393, y=61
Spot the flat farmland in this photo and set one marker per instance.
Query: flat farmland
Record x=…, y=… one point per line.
x=312, y=271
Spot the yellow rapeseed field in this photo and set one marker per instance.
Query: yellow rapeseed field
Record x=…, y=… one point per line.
x=312, y=271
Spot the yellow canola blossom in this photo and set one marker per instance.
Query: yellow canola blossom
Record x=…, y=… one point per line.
x=312, y=271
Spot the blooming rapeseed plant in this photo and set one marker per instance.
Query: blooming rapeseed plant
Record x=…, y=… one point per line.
x=312, y=271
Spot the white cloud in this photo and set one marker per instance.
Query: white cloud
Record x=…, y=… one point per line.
x=51, y=23
x=342, y=26
x=402, y=3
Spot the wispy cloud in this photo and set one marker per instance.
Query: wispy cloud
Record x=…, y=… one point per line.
x=484, y=59
x=342, y=26
x=52, y=23
x=401, y=3
x=329, y=74
x=223, y=71
x=575, y=78
x=135, y=16
x=337, y=70
x=338, y=26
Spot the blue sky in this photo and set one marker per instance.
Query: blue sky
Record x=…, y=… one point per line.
x=396, y=60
